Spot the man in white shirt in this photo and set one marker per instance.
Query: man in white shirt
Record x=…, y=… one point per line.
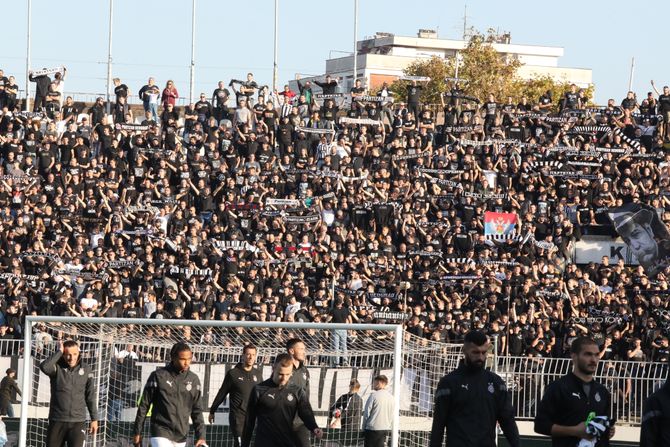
x=378, y=414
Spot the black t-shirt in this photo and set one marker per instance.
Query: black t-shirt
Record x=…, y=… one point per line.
x=664, y=103
x=413, y=94
x=121, y=91
x=339, y=315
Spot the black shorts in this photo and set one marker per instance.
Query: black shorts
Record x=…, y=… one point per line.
x=60, y=434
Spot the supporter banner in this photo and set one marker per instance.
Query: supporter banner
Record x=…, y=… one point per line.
x=46, y=71
x=234, y=245
x=123, y=263
x=316, y=131
x=283, y=202
x=445, y=182
x=499, y=226
x=19, y=277
x=464, y=142
x=459, y=129
x=590, y=129
x=329, y=96
x=459, y=260
x=360, y=121
x=40, y=254
x=645, y=234
x=136, y=232
x=157, y=151
x=30, y=115
x=389, y=316
x=545, y=245
x=310, y=218
x=560, y=119
x=368, y=98
x=415, y=78
x=659, y=155
x=563, y=149
x=425, y=253
x=348, y=292
x=546, y=164
x=612, y=150
x=19, y=177
x=86, y=276
x=503, y=263
x=605, y=111
x=190, y=272
x=377, y=297
x=460, y=277
x=620, y=134
x=142, y=209
x=242, y=206
x=485, y=196
x=131, y=127
x=593, y=248
x=440, y=171
x=408, y=156
x=585, y=163
x=438, y=224
x=573, y=174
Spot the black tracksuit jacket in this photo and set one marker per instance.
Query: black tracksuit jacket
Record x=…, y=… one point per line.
x=565, y=403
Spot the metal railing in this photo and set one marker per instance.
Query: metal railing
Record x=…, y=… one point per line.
x=629, y=383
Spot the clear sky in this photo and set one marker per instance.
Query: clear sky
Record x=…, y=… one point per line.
x=153, y=37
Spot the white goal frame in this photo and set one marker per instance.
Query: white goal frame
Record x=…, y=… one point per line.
x=32, y=320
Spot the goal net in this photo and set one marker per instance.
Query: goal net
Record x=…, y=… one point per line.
x=122, y=353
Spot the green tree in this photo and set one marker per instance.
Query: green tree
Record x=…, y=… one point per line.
x=487, y=72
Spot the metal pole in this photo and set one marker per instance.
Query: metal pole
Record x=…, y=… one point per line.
x=275, y=67
x=353, y=79
x=191, y=92
x=632, y=74
x=30, y=17
x=109, y=57
x=25, y=381
x=98, y=398
x=397, y=371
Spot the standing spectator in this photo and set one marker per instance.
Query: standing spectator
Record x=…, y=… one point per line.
x=58, y=86
x=8, y=387
x=219, y=99
x=174, y=394
x=72, y=393
x=328, y=86
x=414, y=98
x=11, y=91
x=41, y=90
x=97, y=111
x=149, y=96
x=169, y=95
x=339, y=314
x=664, y=108
x=378, y=413
x=120, y=90
x=471, y=401
x=203, y=109
x=238, y=383
x=274, y=405
x=564, y=410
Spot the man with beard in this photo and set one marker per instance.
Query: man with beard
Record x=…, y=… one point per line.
x=239, y=382
x=273, y=406
x=570, y=404
x=470, y=400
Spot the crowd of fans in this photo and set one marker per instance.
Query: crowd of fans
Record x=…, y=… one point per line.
x=257, y=205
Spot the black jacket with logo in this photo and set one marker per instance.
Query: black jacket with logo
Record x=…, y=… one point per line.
x=275, y=408
x=72, y=390
x=238, y=383
x=174, y=396
x=655, y=431
x=469, y=404
x=300, y=378
x=565, y=403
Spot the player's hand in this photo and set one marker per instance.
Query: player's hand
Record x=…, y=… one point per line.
x=318, y=433
x=612, y=432
x=93, y=427
x=580, y=431
x=211, y=418
x=137, y=440
x=200, y=442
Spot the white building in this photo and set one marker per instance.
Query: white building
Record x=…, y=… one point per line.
x=383, y=57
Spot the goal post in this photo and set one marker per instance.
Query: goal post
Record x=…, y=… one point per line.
x=372, y=347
